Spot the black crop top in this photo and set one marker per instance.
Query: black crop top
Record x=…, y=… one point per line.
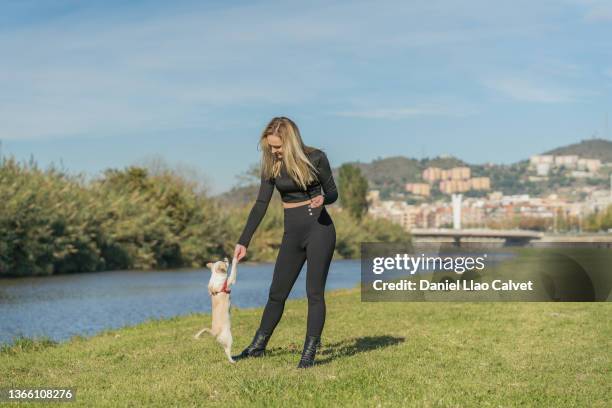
x=290, y=192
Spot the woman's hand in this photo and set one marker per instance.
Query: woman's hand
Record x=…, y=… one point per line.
x=316, y=202
x=240, y=252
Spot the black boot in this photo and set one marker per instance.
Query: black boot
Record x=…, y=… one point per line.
x=310, y=349
x=257, y=346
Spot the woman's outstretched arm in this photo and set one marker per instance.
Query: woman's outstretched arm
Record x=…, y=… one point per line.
x=258, y=211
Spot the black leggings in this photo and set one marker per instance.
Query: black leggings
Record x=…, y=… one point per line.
x=310, y=235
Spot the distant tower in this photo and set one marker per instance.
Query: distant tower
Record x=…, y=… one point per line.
x=456, y=211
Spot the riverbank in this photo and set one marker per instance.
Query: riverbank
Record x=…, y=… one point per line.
x=397, y=354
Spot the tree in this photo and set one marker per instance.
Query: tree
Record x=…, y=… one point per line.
x=353, y=188
x=250, y=176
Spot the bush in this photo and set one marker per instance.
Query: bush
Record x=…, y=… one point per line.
x=54, y=223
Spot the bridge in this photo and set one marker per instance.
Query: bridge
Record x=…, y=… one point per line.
x=511, y=237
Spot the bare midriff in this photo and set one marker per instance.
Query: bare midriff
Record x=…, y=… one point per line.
x=298, y=204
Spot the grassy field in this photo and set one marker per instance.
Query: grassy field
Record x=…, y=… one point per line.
x=374, y=354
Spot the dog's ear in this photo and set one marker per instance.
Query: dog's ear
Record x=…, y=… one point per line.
x=210, y=265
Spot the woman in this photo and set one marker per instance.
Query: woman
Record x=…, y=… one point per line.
x=298, y=172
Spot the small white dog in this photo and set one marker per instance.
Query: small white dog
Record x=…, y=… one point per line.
x=219, y=291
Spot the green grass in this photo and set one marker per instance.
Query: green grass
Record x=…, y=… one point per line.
x=374, y=354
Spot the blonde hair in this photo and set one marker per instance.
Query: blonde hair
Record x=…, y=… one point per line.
x=295, y=158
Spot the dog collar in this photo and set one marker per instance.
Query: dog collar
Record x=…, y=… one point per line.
x=224, y=288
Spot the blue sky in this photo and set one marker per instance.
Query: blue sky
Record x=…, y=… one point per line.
x=91, y=85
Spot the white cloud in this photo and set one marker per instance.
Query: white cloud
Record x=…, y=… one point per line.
x=530, y=91
x=599, y=14
x=405, y=112
x=162, y=69
x=101, y=76
x=591, y=11
x=595, y=10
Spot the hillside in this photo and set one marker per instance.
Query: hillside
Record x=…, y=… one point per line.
x=592, y=149
x=394, y=172
x=390, y=174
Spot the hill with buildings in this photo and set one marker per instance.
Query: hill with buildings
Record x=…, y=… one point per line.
x=593, y=148
x=566, y=170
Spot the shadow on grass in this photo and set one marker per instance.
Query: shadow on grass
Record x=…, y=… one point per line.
x=344, y=348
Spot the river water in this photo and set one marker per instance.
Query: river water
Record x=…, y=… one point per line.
x=61, y=306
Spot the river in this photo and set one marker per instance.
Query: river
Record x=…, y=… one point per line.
x=59, y=307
